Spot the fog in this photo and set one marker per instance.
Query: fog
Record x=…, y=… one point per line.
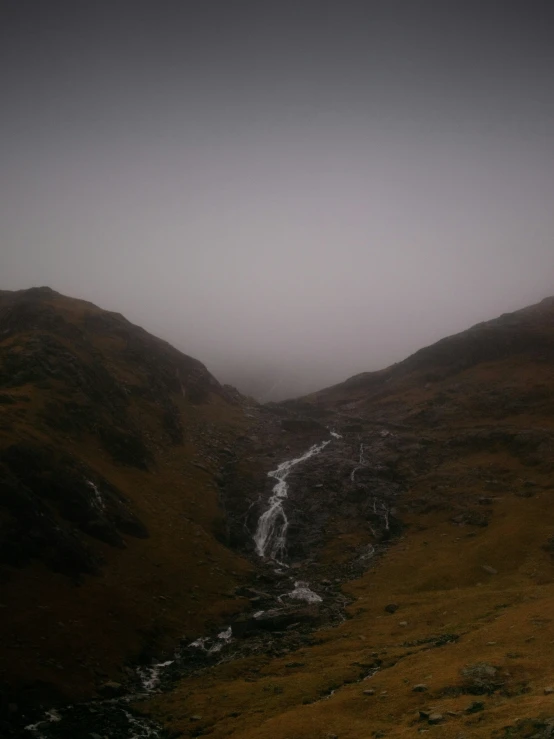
x=290, y=192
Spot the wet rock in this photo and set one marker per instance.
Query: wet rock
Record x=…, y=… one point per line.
x=481, y=678
x=435, y=718
x=302, y=592
x=275, y=619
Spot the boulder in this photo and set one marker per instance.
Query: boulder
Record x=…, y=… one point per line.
x=275, y=619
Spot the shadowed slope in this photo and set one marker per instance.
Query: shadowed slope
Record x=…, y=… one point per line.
x=110, y=524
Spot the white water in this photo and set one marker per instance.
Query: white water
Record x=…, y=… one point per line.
x=98, y=499
x=361, y=463
x=205, y=643
x=271, y=535
x=141, y=729
x=302, y=592
x=52, y=717
x=150, y=676
x=137, y=726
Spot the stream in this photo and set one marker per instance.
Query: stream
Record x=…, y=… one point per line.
x=113, y=718
x=270, y=538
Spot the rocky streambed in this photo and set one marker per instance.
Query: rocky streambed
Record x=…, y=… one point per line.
x=287, y=607
x=289, y=600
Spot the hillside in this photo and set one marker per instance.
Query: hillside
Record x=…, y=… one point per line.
x=110, y=527
x=449, y=630
x=415, y=583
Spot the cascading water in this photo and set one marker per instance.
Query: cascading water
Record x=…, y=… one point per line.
x=360, y=464
x=271, y=534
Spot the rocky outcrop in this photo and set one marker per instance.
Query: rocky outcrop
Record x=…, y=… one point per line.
x=49, y=497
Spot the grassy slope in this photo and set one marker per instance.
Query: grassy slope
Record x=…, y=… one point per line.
x=468, y=414
x=59, y=637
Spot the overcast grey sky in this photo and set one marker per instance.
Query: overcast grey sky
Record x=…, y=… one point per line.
x=322, y=187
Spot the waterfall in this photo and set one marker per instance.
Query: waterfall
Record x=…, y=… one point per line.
x=271, y=534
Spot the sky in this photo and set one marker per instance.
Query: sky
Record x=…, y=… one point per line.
x=292, y=192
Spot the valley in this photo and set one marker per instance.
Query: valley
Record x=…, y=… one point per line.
x=381, y=550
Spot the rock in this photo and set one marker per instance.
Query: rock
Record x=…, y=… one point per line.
x=302, y=592
x=275, y=619
x=490, y=570
x=481, y=678
x=435, y=718
x=549, y=690
x=402, y=623
x=391, y=608
x=111, y=689
x=196, y=718
x=475, y=707
x=424, y=715
x=370, y=691
x=420, y=688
